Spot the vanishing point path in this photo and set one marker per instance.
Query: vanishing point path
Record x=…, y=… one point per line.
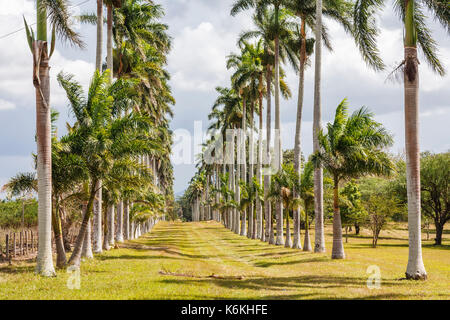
x=204, y=260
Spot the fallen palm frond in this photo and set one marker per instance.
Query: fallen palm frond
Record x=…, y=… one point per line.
x=214, y=276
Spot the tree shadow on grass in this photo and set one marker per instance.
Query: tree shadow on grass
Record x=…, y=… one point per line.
x=265, y=264
x=400, y=245
x=284, y=283
x=16, y=269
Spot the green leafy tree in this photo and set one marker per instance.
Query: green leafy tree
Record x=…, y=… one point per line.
x=351, y=207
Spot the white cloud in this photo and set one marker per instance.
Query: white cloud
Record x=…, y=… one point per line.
x=198, y=57
x=6, y=105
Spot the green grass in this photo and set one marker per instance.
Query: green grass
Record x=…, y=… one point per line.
x=268, y=272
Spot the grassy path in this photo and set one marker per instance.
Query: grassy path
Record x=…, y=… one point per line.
x=206, y=261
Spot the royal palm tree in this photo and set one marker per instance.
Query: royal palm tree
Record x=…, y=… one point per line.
x=305, y=11
x=416, y=33
x=56, y=12
x=307, y=195
x=352, y=147
x=280, y=18
x=267, y=26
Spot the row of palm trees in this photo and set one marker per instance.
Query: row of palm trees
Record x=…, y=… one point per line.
x=290, y=31
x=115, y=157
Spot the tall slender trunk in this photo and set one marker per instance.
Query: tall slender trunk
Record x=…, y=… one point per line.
x=86, y=250
x=61, y=259
x=41, y=81
x=288, y=243
x=109, y=40
x=278, y=149
x=243, y=164
x=319, y=245
x=97, y=219
x=109, y=237
x=106, y=226
x=237, y=195
x=119, y=232
x=297, y=244
x=84, y=232
x=99, y=48
x=126, y=220
x=252, y=223
x=415, y=269
x=267, y=204
x=307, y=241
x=259, y=209
x=338, y=247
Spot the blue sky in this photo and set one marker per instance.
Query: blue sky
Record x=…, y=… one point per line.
x=203, y=34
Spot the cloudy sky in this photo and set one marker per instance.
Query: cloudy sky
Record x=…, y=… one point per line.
x=203, y=34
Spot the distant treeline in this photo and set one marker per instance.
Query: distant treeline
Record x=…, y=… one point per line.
x=11, y=212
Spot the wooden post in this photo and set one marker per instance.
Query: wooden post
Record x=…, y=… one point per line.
x=20, y=243
x=26, y=242
x=14, y=245
x=7, y=247
x=32, y=241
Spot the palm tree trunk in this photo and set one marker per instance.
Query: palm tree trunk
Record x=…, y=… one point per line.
x=126, y=220
x=243, y=163
x=288, y=243
x=297, y=144
x=259, y=209
x=267, y=204
x=237, y=178
x=110, y=235
x=109, y=40
x=83, y=243
x=41, y=80
x=61, y=259
x=307, y=241
x=98, y=230
x=319, y=245
x=252, y=228
x=278, y=149
x=119, y=232
x=338, y=247
x=415, y=269
x=106, y=227
x=99, y=49
x=86, y=250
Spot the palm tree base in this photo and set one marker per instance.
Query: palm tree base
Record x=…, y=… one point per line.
x=307, y=244
x=338, y=256
x=297, y=244
x=416, y=276
x=272, y=240
x=288, y=244
x=279, y=241
x=46, y=272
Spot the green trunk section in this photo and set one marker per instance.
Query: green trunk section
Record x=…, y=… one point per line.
x=410, y=29
x=41, y=25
